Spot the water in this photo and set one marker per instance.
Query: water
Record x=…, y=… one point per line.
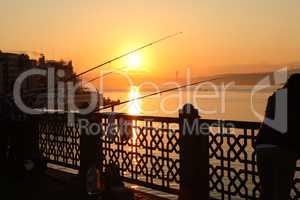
x=234, y=104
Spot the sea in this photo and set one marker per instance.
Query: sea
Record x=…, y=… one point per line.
x=241, y=103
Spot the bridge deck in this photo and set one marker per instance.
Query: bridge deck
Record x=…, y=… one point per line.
x=54, y=185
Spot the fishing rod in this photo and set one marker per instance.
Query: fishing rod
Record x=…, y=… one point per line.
x=155, y=93
x=93, y=79
x=123, y=55
x=103, y=75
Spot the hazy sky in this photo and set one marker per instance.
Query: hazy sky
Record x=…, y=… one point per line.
x=219, y=35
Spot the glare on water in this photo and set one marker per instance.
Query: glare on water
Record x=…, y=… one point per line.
x=134, y=107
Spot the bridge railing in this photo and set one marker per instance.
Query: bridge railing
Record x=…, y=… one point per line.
x=57, y=141
x=233, y=168
x=147, y=154
x=151, y=154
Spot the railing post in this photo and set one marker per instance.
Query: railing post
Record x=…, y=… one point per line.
x=194, y=160
x=89, y=155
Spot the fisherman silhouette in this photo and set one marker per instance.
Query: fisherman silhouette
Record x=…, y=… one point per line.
x=276, y=151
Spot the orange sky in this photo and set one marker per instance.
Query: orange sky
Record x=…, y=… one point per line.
x=219, y=36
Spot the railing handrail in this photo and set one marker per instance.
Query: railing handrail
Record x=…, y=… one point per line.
x=211, y=122
x=237, y=124
x=141, y=117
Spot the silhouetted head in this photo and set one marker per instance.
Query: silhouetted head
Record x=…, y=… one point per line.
x=293, y=87
x=293, y=82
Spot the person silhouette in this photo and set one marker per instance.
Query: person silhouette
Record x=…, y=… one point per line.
x=276, y=150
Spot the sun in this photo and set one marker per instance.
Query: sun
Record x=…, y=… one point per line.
x=134, y=60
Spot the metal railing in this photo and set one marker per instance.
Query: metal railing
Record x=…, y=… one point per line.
x=150, y=155
x=58, y=142
x=233, y=169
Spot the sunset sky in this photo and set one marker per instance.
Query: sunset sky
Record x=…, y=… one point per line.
x=220, y=36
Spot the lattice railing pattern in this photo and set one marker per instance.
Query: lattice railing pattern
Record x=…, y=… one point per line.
x=58, y=141
x=150, y=157
x=233, y=169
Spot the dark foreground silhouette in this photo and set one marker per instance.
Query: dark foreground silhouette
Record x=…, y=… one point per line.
x=277, y=149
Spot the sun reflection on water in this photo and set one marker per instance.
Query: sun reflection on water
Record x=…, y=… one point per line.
x=134, y=107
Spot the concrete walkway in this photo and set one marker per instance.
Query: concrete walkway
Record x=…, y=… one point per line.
x=51, y=186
